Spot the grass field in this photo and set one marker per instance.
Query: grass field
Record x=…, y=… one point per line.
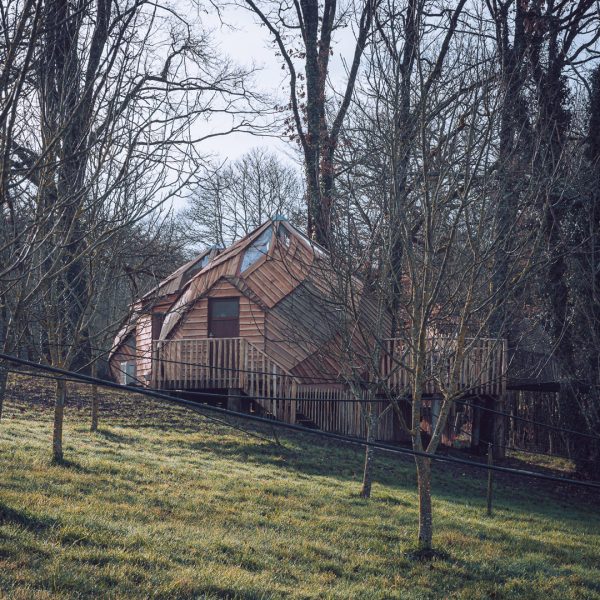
x=161, y=503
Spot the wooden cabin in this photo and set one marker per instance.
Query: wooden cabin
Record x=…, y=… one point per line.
x=261, y=323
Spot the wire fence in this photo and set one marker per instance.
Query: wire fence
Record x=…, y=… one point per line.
x=203, y=408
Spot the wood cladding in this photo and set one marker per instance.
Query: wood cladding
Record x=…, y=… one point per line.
x=143, y=344
x=293, y=342
x=251, y=318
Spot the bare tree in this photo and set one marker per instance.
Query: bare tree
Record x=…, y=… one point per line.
x=235, y=198
x=138, y=258
x=19, y=23
x=303, y=32
x=105, y=134
x=561, y=41
x=387, y=112
x=421, y=189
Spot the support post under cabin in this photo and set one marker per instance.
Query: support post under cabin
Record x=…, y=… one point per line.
x=234, y=400
x=499, y=434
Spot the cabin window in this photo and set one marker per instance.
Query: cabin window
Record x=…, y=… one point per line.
x=157, y=323
x=315, y=247
x=196, y=268
x=224, y=317
x=128, y=373
x=130, y=342
x=259, y=248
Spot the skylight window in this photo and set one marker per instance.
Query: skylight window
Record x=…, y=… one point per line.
x=284, y=236
x=259, y=248
x=316, y=248
x=197, y=267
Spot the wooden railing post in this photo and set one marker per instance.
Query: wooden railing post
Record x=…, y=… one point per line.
x=242, y=363
x=154, y=365
x=293, y=395
x=204, y=361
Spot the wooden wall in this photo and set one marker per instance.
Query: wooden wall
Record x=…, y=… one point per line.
x=143, y=344
x=271, y=279
x=283, y=344
x=124, y=354
x=279, y=305
x=252, y=318
x=148, y=328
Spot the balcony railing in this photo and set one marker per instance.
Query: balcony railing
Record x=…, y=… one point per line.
x=224, y=363
x=478, y=366
x=236, y=363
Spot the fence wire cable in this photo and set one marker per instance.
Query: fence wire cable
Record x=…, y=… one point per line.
x=293, y=427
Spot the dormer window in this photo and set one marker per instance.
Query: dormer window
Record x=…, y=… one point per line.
x=258, y=249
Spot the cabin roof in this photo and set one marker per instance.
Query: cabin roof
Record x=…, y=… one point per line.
x=268, y=285
x=174, y=282
x=170, y=285
x=292, y=283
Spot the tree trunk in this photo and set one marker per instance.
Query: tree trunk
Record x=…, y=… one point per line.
x=500, y=437
x=94, y=425
x=475, y=425
x=3, y=380
x=313, y=196
x=512, y=158
x=369, y=454
x=323, y=226
x=59, y=412
x=425, y=513
x=3, y=369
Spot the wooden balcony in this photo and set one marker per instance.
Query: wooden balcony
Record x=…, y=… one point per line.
x=481, y=369
x=237, y=364
x=224, y=363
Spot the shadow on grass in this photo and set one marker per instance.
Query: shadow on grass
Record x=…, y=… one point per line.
x=453, y=483
x=427, y=554
x=12, y=516
x=118, y=438
x=67, y=463
x=332, y=459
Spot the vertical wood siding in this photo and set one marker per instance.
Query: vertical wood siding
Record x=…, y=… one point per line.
x=124, y=354
x=143, y=344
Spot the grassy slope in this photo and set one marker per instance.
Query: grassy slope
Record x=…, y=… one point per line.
x=162, y=504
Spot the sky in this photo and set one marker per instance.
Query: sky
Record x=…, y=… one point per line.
x=248, y=44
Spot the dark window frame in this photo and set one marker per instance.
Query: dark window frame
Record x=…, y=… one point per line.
x=230, y=319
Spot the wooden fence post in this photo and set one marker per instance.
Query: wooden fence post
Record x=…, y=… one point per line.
x=95, y=399
x=490, y=481
x=293, y=404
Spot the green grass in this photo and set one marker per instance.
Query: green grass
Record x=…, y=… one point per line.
x=161, y=503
